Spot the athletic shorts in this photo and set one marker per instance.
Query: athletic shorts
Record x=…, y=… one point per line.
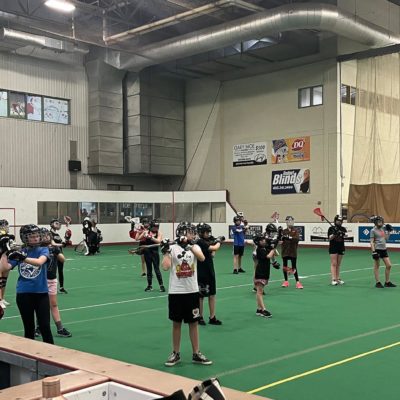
x=382, y=253
x=184, y=307
x=52, y=284
x=207, y=287
x=262, y=282
x=337, y=250
x=238, y=250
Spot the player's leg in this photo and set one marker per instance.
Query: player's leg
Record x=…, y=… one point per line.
x=334, y=277
x=143, y=265
x=285, y=269
x=241, y=252
x=296, y=273
x=155, y=258
x=175, y=314
x=378, y=283
x=42, y=310
x=388, y=268
x=26, y=308
x=55, y=312
x=148, y=260
x=339, y=262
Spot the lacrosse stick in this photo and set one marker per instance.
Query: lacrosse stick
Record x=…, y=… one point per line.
x=318, y=211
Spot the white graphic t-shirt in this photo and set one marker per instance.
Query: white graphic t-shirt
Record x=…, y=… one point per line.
x=183, y=274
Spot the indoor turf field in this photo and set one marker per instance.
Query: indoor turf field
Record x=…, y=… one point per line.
x=323, y=342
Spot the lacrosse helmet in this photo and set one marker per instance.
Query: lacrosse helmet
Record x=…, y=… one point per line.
x=28, y=232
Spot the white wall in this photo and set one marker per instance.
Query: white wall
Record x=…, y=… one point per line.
x=263, y=108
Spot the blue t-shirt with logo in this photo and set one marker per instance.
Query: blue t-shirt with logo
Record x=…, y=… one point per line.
x=32, y=279
x=238, y=233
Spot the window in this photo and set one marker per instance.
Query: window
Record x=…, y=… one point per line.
x=183, y=212
x=112, y=186
x=143, y=210
x=311, y=96
x=201, y=212
x=353, y=95
x=17, y=105
x=218, y=213
x=3, y=104
x=34, y=108
x=108, y=213
x=348, y=94
x=47, y=210
x=70, y=210
x=88, y=209
x=56, y=110
x=163, y=212
x=125, y=210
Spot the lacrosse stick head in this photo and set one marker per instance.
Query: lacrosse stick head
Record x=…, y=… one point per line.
x=318, y=211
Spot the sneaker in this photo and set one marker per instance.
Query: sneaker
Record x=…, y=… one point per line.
x=264, y=313
x=387, y=284
x=199, y=358
x=173, y=359
x=285, y=284
x=6, y=303
x=340, y=282
x=214, y=321
x=148, y=289
x=62, y=290
x=162, y=288
x=259, y=311
x=201, y=321
x=254, y=289
x=276, y=265
x=334, y=283
x=235, y=271
x=143, y=274
x=378, y=285
x=37, y=332
x=3, y=305
x=241, y=270
x=64, y=332
x=300, y=286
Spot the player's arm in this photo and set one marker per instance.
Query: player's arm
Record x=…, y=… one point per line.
x=214, y=247
x=331, y=233
x=142, y=234
x=4, y=264
x=166, y=262
x=197, y=252
x=158, y=239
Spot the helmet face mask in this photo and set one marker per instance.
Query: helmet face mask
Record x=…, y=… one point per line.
x=270, y=228
x=338, y=220
x=186, y=229
x=46, y=237
x=154, y=225
x=30, y=235
x=289, y=221
x=4, y=227
x=378, y=221
x=55, y=224
x=237, y=220
x=203, y=230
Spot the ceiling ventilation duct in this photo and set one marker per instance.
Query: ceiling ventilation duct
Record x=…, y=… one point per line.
x=43, y=42
x=290, y=17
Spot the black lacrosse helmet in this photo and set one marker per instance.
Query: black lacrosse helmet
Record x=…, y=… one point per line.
x=184, y=228
x=145, y=222
x=271, y=228
x=338, y=218
x=202, y=228
x=87, y=223
x=28, y=230
x=376, y=219
x=257, y=238
x=154, y=224
x=53, y=222
x=237, y=218
x=4, y=227
x=45, y=236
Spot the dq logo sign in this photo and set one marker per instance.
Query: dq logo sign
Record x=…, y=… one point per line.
x=298, y=144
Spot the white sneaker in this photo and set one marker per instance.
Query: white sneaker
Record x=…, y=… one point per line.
x=334, y=283
x=2, y=304
x=6, y=302
x=340, y=282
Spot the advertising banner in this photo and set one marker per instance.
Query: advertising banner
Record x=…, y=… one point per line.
x=291, y=150
x=364, y=232
x=249, y=154
x=253, y=230
x=290, y=181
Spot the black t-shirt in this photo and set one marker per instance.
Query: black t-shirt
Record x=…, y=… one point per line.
x=263, y=263
x=206, y=266
x=149, y=242
x=56, y=237
x=338, y=239
x=52, y=264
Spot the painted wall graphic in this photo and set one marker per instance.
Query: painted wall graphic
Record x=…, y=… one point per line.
x=249, y=154
x=290, y=181
x=17, y=105
x=291, y=150
x=3, y=104
x=55, y=110
x=34, y=107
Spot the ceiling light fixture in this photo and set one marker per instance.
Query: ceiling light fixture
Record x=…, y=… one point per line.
x=60, y=5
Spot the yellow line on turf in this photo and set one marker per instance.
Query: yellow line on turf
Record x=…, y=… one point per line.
x=314, y=371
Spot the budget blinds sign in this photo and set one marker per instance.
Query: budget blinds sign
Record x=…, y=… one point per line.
x=364, y=232
x=290, y=181
x=249, y=154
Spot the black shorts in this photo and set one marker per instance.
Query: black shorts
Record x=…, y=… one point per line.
x=207, y=286
x=382, y=253
x=184, y=307
x=238, y=250
x=336, y=250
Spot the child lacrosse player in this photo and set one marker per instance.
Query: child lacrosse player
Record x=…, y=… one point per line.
x=336, y=235
x=379, y=235
x=290, y=242
x=238, y=231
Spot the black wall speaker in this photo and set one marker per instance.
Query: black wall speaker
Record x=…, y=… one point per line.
x=74, y=166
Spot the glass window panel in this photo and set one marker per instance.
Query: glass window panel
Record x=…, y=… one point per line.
x=317, y=95
x=56, y=110
x=304, y=97
x=17, y=105
x=108, y=213
x=201, y=212
x=143, y=210
x=183, y=212
x=126, y=188
x=125, y=210
x=112, y=187
x=34, y=107
x=163, y=212
x=88, y=209
x=47, y=210
x=353, y=95
x=218, y=213
x=3, y=104
x=70, y=210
